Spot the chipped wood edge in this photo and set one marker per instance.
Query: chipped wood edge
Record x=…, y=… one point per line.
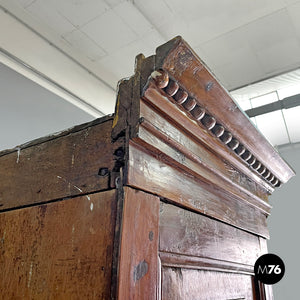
x=195, y=111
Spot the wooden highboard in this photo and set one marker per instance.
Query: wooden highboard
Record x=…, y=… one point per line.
x=165, y=199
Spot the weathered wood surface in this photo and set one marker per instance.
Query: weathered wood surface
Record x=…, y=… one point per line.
x=201, y=163
x=188, y=233
x=206, y=111
x=76, y=163
x=186, y=284
x=172, y=114
x=127, y=109
x=138, y=268
x=56, y=135
x=162, y=129
x=60, y=250
x=208, y=130
x=155, y=173
x=263, y=246
x=265, y=290
x=175, y=260
x=184, y=66
x=176, y=136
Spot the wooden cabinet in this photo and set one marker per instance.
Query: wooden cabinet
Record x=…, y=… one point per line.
x=165, y=199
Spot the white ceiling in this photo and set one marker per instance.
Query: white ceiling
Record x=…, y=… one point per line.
x=241, y=41
x=281, y=126
x=94, y=42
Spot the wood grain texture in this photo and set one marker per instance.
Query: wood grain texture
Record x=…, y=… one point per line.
x=265, y=290
x=127, y=110
x=186, y=284
x=268, y=292
x=154, y=173
x=58, y=168
x=57, y=135
x=195, y=111
x=225, y=177
x=186, y=94
x=175, y=260
x=183, y=65
x=181, y=120
x=263, y=246
x=161, y=126
x=60, y=250
x=138, y=268
x=189, y=233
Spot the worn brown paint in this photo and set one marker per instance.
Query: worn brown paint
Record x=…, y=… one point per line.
x=60, y=250
x=151, y=172
x=58, y=167
x=198, y=133
x=184, y=284
x=139, y=254
x=169, y=132
x=185, y=66
x=167, y=198
x=189, y=233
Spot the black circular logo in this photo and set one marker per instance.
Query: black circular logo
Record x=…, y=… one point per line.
x=269, y=268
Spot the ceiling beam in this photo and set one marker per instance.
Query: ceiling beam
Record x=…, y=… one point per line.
x=32, y=55
x=285, y=103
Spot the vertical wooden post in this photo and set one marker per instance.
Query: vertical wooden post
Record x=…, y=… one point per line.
x=138, y=268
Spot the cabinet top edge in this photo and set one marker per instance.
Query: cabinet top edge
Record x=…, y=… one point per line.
x=183, y=77
x=59, y=134
x=183, y=66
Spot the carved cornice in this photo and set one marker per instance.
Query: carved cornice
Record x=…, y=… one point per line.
x=204, y=118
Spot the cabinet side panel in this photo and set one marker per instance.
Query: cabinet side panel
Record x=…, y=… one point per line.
x=138, y=277
x=60, y=250
x=76, y=163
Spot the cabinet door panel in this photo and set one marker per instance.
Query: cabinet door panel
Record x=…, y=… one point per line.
x=192, y=234
x=180, y=283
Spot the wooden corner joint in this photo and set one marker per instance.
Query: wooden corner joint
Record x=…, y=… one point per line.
x=193, y=109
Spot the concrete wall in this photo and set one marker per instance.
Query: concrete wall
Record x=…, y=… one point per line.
x=28, y=111
x=284, y=226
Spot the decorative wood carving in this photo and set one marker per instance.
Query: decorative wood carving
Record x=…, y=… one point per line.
x=176, y=182
x=194, y=110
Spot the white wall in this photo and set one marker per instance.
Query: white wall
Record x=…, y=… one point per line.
x=284, y=226
x=29, y=111
x=21, y=45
